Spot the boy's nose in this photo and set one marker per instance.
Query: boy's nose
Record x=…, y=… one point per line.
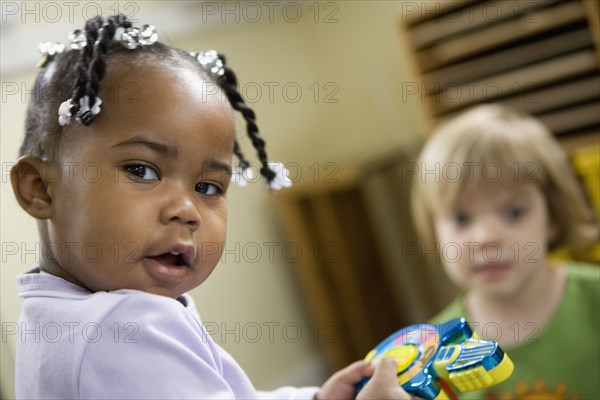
x=487, y=231
x=181, y=208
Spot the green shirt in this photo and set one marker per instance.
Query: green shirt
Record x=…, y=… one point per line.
x=562, y=361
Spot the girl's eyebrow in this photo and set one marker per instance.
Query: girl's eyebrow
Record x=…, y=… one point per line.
x=152, y=145
x=213, y=165
x=218, y=166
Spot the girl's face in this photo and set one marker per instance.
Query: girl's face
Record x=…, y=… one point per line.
x=494, y=238
x=141, y=203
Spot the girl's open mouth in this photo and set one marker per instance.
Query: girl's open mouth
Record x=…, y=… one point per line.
x=171, y=259
x=171, y=266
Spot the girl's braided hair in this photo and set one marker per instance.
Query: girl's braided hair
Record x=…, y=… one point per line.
x=70, y=81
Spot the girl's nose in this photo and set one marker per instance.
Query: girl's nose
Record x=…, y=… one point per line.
x=181, y=208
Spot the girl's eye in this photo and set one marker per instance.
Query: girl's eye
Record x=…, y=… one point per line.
x=142, y=172
x=515, y=213
x=208, y=189
x=460, y=218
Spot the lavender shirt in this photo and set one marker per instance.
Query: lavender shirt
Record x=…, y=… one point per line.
x=124, y=344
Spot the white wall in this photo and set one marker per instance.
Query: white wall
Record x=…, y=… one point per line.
x=358, y=55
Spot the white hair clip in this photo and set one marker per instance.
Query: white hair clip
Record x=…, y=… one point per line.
x=84, y=108
x=210, y=61
x=242, y=177
x=148, y=35
x=64, y=111
x=49, y=50
x=281, y=179
x=77, y=39
x=132, y=38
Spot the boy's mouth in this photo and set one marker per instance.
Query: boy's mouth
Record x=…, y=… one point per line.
x=493, y=270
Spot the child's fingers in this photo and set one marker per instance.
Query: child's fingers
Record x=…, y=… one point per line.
x=355, y=372
x=341, y=385
x=384, y=383
x=386, y=370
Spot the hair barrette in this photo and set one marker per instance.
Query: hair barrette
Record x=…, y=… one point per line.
x=77, y=39
x=85, y=111
x=49, y=50
x=210, y=61
x=282, y=176
x=242, y=176
x=133, y=37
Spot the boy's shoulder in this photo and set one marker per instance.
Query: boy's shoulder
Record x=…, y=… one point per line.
x=583, y=289
x=583, y=272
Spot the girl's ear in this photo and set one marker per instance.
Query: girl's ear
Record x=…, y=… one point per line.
x=30, y=186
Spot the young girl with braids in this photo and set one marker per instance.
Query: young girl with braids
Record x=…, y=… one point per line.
x=129, y=192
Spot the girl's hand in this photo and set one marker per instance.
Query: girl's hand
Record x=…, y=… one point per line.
x=383, y=384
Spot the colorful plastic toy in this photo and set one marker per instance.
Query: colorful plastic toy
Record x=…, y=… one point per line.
x=436, y=360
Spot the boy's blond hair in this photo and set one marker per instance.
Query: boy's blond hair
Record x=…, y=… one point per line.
x=493, y=143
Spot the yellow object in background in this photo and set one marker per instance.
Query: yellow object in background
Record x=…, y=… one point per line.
x=586, y=162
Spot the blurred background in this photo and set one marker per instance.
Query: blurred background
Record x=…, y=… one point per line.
x=345, y=93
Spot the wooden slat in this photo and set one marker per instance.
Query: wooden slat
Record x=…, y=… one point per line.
x=509, y=59
x=472, y=18
x=414, y=68
x=503, y=85
x=572, y=118
x=592, y=8
x=457, y=48
x=557, y=96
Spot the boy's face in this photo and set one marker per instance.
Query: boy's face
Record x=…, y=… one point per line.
x=494, y=239
x=140, y=203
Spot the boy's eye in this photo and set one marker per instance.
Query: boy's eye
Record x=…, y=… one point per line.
x=515, y=213
x=460, y=218
x=142, y=172
x=208, y=189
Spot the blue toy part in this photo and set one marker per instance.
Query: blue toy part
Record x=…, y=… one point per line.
x=435, y=359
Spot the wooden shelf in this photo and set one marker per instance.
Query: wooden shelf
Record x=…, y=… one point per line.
x=536, y=56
